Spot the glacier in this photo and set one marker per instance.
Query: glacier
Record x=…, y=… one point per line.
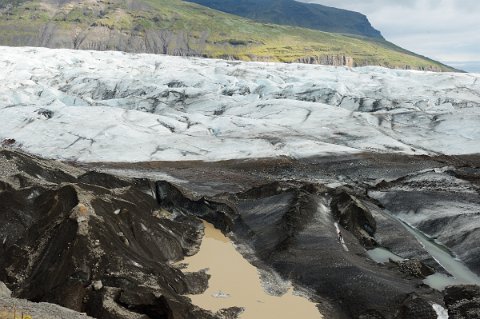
x=95, y=106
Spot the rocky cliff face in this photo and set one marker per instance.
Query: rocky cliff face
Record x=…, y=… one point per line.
x=341, y=60
x=102, y=38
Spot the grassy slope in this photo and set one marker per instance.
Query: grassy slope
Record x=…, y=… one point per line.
x=209, y=32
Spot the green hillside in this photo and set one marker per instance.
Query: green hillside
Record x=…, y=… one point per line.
x=183, y=28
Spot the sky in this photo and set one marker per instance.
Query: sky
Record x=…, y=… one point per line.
x=445, y=30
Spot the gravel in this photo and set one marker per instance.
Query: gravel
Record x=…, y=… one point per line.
x=35, y=310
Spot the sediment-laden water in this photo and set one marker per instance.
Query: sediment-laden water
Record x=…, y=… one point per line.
x=235, y=282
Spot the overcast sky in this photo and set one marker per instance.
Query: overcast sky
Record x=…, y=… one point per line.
x=445, y=30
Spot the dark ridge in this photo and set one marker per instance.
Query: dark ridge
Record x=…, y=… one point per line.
x=293, y=13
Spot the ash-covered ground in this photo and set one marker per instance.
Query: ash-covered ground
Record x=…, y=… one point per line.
x=104, y=238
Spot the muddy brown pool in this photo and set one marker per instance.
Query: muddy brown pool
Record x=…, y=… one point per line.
x=235, y=282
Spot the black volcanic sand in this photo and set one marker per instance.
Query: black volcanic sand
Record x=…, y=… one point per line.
x=67, y=227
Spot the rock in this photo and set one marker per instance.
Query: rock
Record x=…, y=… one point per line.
x=354, y=217
x=197, y=282
x=371, y=314
x=45, y=113
x=415, y=268
x=162, y=213
x=81, y=213
x=336, y=60
x=230, y=313
x=124, y=238
x=97, y=285
x=152, y=304
x=61, y=233
x=103, y=304
x=37, y=310
x=285, y=227
x=4, y=291
x=415, y=307
x=8, y=142
x=463, y=302
x=104, y=180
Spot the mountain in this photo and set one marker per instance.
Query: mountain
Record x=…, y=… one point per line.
x=183, y=28
x=290, y=12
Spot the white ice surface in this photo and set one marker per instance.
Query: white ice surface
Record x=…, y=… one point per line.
x=112, y=106
x=442, y=313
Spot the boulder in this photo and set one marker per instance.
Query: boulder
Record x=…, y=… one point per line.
x=416, y=307
x=4, y=291
x=415, y=268
x=463, y=302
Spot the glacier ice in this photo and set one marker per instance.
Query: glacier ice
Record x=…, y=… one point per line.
x=113, y=106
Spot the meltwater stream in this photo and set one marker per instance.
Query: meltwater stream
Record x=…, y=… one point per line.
x=235, y=282
x=460, y=273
